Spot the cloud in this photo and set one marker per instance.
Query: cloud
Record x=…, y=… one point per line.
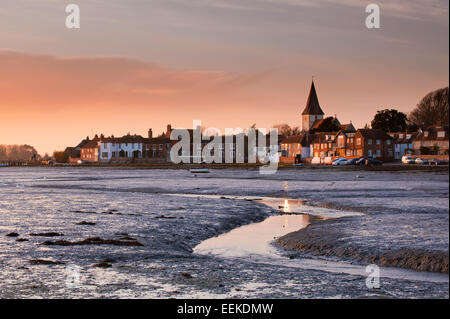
x=33, y=81
x=411, y=9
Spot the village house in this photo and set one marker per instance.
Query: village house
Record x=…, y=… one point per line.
x=434, y=140
x=362, y=143
x=128, y=148
x=322, y=145
x=231, y=148
x=403, y=143
x=157, y=149
x=294, y=148
x=73, y=154
x=374, y=143
x=90, y=151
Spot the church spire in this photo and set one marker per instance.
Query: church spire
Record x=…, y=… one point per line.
x=312, y=104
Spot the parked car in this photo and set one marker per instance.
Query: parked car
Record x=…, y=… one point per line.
x=361, y=161
x=341, y=161
x=352, y=161
x=421, y=161
x=408, y=160
x=434, y=161
x=337, y=159
x=371, y=162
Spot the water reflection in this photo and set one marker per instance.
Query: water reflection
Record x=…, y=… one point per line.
x=286, y=208
x=253, y=239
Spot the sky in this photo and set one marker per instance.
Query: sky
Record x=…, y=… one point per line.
x=135, y=64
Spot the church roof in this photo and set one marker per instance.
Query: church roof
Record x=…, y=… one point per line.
x=312, y=105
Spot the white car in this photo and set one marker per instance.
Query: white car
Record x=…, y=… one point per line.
x=408, y=160
x=340, y=161
x=337, y=159
x=421, y=161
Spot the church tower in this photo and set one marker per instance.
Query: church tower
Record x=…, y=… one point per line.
x=312, y=111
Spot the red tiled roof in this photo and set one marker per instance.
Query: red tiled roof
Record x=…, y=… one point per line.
x=374, y=134
x=90, y=144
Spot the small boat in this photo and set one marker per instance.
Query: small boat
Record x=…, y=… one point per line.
x=199, y=170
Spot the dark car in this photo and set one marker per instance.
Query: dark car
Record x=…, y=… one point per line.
x=352, y=161
x=434, y=161
x=372, y=162
x=361, y=161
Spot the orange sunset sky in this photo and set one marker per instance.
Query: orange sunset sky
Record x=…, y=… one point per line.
x=229, y=63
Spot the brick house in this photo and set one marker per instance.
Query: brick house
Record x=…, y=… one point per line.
x=373, y=143
x=434, y=140
x=90, y=151
x=293, y=148
x=322, y=144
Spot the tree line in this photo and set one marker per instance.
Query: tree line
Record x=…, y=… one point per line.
x=18, y=153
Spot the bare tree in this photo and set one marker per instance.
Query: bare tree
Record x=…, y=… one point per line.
x=286, y=130
x=17, y=152
x=432, y=109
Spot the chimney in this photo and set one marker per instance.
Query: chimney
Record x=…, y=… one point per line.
x=150, y=133
x=169, y=130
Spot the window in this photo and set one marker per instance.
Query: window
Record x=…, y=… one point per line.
x=105, y=154
x=358, y=141
x=378, y=142
x=369, y=152
x=441, y=134
x=378, y=152
x=388, y=142
x=369, y=141
x=425, y=133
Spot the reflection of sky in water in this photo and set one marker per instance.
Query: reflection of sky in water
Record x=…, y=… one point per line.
x=254, y=238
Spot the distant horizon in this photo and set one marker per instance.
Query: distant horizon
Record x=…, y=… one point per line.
x=229, y=64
